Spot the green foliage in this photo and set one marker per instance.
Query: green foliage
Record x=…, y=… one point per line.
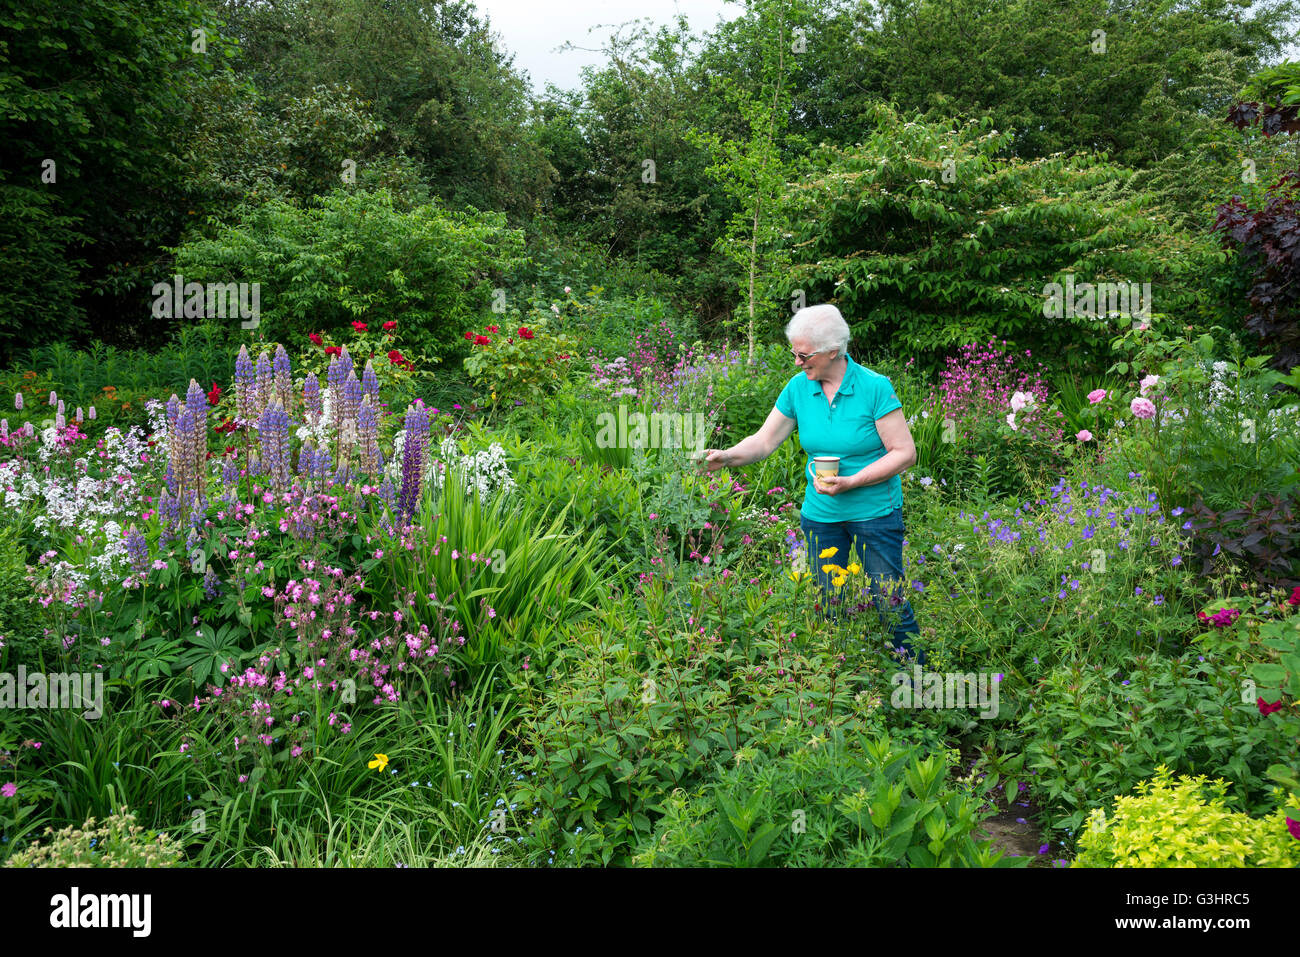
x=1184, y=822
x=91, y=172
x=923, y=235
x=117, y=382
x=518, y=362
x=1046, y=580
x=354, y=256
x=635, y=710
x=835, y=800
x=118, y=842
x=434, y=79
x=752, y=171
x=506, y=567
x=19, y=614
x=1089, y=735
x=1219, y=431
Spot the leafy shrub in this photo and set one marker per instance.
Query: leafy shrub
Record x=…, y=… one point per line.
x=833, y=800
x=1262, y=539
x=19, y=614
x=1091, y=733
x=428, y=268
x=630, y=712
x=911, y=255
x=118, y=842
x=1201, y=426
x=1184, y=823
x=522, y=365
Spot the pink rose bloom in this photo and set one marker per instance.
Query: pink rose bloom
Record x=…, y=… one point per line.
x=1096, y=395
x=1143, y=408
x=1148, y=383
x=1011, y=421
x=1084, y=435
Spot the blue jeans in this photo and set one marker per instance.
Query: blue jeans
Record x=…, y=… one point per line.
x=879, y=545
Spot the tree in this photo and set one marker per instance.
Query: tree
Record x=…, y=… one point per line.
x=753, y=171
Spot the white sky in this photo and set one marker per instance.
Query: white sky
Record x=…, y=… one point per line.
x=533, y=29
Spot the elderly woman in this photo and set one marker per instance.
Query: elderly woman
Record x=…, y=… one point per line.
x=844, y=409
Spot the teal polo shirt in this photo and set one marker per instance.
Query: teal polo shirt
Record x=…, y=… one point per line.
x=847, y=428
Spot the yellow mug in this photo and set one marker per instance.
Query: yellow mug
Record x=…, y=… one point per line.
x=823, y=465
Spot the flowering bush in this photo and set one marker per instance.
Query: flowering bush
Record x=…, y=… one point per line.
x=997, y=422
x=518, y=365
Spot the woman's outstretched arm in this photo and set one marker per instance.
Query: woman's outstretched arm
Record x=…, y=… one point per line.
x=753, y=448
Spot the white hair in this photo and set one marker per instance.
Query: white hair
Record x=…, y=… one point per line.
x=821, y=325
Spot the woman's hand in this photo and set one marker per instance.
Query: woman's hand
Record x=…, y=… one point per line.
x=833, y=484
x=712, y=459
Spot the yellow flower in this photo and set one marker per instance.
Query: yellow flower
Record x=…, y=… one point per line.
x=854, y=569
x=839, y=581
x=379, y=763
x=795, y=576
x=828, y=552
x=832, y=568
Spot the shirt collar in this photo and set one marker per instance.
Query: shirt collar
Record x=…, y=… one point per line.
x=850, y=377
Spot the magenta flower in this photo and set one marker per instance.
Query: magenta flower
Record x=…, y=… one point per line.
x=1096, y=395
x=10, y=789
x=1293, y=827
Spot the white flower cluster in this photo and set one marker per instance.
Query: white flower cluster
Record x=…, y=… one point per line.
x=81, y=505
x=485, y=473
x=319, y=429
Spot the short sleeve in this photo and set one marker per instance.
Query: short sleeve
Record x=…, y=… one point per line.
x=785, y=403
x=885, y=399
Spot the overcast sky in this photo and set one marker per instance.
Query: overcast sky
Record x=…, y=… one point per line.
x=532, y=29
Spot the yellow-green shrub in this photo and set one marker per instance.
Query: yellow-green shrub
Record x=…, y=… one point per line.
x=1184, y=823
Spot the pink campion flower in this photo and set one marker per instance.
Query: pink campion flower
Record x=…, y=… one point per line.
x=1084, y=435
x=8, y=789
x=1096, y=395
x=1143, y=408
x=1148, y=382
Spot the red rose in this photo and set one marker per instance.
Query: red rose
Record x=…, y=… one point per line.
x=316, y=339
x=511, y=339
x=215, y=395
x=359, y=326
x=332, y=350
x=493, y=329
x=525, y=332
x=1266, y=708
x=481, y=340
x=389, y=326
x=395, y=357
x=470, y=336
x=1295, y=597
x=231, y=450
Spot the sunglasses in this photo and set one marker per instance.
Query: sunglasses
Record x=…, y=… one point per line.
x=805, y=356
